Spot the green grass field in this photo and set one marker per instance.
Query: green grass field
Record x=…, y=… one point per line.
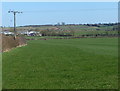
x=0, y=71
x=89, y=63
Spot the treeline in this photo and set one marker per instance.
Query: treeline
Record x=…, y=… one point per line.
x=102, y=24
x=63, y=24
x=99, y=35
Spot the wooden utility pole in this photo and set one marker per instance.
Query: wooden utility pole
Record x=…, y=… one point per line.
x=14, y=12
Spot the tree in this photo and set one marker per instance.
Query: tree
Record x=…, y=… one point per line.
x=58, y=24
x=63, y=23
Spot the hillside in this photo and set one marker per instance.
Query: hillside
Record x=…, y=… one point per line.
x=70, y=29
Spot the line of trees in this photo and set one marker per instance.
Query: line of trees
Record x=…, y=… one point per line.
x=100, y=35
x=63, y=24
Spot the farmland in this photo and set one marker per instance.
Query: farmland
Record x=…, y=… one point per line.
x=0, y=71
x=74, y=30
x=86, y=63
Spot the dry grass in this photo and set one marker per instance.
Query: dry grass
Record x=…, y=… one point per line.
x=8, y=42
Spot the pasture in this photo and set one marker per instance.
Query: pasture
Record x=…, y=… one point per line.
x=0, y=71
x=88, y=63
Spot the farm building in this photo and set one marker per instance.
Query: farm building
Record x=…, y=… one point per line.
x=29, y=33
x=7, y=33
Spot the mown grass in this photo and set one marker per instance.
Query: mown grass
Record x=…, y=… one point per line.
x=0, y=71
x=94, y=32
x=89, y=63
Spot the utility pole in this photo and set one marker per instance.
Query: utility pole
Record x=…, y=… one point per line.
x=14, y=12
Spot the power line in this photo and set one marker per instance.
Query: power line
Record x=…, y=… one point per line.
x=14, y=12
x=39, y=11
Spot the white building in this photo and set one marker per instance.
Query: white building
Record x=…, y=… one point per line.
x=29, y=33
x=7, y=33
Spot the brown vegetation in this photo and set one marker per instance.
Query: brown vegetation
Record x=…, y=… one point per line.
x=8, y=42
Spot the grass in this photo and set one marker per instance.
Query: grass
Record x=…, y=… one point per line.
x=42, y=37
x=0, y=71
x=89, y=63
x=95, y=32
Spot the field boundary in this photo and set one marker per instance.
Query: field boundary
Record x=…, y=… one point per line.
x=8, y=42
x=71, y=38
x=14, y=48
